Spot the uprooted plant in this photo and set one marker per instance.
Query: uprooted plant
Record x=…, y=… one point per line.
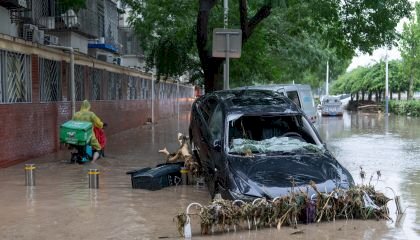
x=357, y=202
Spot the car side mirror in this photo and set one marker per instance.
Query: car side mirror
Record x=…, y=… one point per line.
x=217, y=145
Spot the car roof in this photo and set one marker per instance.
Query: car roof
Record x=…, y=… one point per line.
x=255, y=101
x=275, y=87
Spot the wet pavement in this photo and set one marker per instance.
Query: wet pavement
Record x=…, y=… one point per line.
x=61, y=206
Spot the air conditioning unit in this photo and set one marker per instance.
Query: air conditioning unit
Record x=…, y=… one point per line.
x=110, y=59
x=38, y=36
x=28, y=31
x=102, y=57
x=50, y=40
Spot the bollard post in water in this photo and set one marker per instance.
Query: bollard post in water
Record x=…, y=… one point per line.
x=29, y=174
x=200, y=182
x=93, y=178
x=184, y=175
x=190, y=178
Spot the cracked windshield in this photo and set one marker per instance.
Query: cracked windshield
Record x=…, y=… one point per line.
x=274, y=135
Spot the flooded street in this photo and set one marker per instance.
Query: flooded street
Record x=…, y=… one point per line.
x=61, y=206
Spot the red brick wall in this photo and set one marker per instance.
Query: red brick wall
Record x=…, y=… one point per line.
x=32, y=129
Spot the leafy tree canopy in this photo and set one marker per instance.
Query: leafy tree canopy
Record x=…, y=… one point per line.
x=371, y=79
x=410, y=50
x=283, y=40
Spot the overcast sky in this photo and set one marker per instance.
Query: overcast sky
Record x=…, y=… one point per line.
x=378, y=54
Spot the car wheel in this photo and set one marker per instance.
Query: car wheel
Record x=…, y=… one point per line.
x=74, y=158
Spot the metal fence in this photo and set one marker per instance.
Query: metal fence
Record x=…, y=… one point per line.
x=132, y=88
x=145, y=89
x=15, y=77
x=79, y=80
x=97, y=84
x=50, y=80
x=96, y=87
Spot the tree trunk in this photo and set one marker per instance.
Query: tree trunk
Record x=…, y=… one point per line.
x=410, y=93
x=212, y=67
x=363, y=95
x=357, y=96
x=370, y=96
x=399, y=95
x=207, y=64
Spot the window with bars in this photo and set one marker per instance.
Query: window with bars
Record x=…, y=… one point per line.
x=96, y=78
x=112, y=86
x=79, y=80
x=50, y=80
x=132, y=88
x=145, y=89
x=15, y=77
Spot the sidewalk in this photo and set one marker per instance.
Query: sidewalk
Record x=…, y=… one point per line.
x=61, y=206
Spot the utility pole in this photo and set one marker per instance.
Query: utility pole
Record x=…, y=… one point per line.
x=327, y=76
x=386, y=83
x=153, y=97
x=226, y=65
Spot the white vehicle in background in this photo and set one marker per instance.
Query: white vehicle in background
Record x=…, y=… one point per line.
x=331, y=106
x=301, y=94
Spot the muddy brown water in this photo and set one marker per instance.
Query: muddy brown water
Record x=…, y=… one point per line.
x=61, y=206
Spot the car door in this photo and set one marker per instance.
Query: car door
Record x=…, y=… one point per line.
x=202, y=134
x=217, y=164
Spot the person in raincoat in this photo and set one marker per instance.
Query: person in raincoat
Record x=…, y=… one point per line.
x=88, y=116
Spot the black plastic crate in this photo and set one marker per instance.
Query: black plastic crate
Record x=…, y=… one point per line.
x=136, y=172
x=163, y=175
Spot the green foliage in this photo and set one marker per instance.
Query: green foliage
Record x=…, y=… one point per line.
x=372, y=79
x=410, y=107
x=76, y=5
x=410, y=51
x=292, y=44
x=166, y=31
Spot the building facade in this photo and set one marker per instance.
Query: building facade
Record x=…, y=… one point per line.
x=35, y=80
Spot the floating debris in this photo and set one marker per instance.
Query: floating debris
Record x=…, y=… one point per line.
x=358, y=202
x=182, y=155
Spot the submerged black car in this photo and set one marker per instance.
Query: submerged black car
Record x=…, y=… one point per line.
x=256, y=143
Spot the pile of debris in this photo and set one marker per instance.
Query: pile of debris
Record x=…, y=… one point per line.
x=179, y=168
x=358, y=202
x=182, y=155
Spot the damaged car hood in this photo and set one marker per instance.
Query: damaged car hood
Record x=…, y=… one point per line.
x=273, y=176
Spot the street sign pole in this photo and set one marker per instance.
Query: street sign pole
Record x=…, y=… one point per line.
x=327, y=79
x=386, y=84
x=227, y=43
x=226, y=64
x=226, y=82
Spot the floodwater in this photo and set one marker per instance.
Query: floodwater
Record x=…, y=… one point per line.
x=61, y=206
